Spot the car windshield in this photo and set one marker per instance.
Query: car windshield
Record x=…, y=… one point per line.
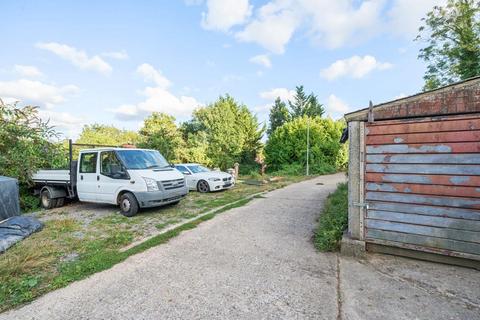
x=142, y=159
x=198, y=169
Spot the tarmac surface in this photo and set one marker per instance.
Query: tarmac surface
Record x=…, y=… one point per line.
x=258, y=262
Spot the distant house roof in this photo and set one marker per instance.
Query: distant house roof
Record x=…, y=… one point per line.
x=458, y=98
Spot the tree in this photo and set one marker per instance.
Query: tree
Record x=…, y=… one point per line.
x=287, y=146
x=232, y=132
x=279, y=115
x=452, y=34
x=304, y=104
x=160, y=132
x=107, y=135
x=196, y=149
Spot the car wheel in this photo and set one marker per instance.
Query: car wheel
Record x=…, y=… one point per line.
x=202, y=186
x=46, y=200
x=128, y=205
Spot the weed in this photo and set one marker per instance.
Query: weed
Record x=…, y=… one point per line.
x=333, y=220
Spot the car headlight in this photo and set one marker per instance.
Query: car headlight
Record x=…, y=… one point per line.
x=151, y=184
x=214, y=179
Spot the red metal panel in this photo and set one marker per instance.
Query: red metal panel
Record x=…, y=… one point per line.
x=429, y=137
x=433, y=165
x=416, y=126
x=425, y=189
x=448, y=147
x=446, y=180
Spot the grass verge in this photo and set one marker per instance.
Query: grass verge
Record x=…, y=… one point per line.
x=333, y=220
x=77, y=242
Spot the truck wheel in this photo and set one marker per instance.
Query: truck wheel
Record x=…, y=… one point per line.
x=128, y=205
x=202, y=186
x=60, y=202
x=46, y=201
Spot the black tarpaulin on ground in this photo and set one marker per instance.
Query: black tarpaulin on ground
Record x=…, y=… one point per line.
x=15, y=229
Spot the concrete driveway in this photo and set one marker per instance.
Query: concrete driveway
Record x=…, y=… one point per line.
x=258, y=262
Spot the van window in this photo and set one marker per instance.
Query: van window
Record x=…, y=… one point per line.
x=88, y=162
x=110, y=166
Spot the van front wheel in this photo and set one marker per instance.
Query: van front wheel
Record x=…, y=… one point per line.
x=128, y=205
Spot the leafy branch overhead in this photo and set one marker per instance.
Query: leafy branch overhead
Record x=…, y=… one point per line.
x=452, y=37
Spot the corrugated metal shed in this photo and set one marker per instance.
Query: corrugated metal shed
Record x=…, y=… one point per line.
x=415, y=173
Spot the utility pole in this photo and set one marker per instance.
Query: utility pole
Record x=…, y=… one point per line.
x=308, y=144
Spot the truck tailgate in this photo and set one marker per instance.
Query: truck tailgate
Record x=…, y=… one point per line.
x=51, y=175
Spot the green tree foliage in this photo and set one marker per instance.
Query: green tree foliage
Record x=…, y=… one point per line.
x=160, y=132
x=279, y=115
x=196, y=149
x=287, y=146
x=232, y=132
x=305, y=105
x=107, y=135
x=27, y=143
x=452, y=35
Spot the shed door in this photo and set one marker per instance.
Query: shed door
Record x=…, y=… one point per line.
x=422, y=181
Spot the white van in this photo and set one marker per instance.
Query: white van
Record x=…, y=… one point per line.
x=130, y=178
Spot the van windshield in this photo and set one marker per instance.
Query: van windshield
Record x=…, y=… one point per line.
x=142, y=159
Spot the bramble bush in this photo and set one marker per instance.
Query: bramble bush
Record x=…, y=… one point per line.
x=27, y=144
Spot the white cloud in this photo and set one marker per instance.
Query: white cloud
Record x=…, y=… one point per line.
x=405, y=15
x=330, y=24
x=273, y=26
x=355, y=67
x=36, y=92
x=223, y=14
x=70, y=125
x=77, y=57
x=119, y=55
x=149, y=73
x=27, y=71
x=273, y=94
x=157, y=98
x=337, y=23
x=335, y=107
x=262, y=59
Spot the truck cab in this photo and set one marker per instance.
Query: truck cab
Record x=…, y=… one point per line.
x=130, y=178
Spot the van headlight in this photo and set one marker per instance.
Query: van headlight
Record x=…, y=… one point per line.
x=214, y=179
x=151, y=184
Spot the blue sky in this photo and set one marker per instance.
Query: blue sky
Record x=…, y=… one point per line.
x=114, y=62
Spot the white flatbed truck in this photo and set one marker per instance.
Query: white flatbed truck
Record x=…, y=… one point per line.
x=127, y=177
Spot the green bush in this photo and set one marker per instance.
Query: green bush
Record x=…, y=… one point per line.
x=287, y=146
x=333, y=220
x=26, y=146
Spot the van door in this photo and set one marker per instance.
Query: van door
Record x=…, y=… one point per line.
x=113, y=176
x=87, y=186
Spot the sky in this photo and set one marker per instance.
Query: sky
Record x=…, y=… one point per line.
x=115, y=62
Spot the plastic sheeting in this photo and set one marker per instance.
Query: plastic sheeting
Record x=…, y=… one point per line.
x=17, y=228
x=9, y=200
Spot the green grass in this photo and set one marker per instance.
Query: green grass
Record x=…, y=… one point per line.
x=39, y=263
x=333, y=220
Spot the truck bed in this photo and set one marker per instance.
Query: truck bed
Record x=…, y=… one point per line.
x=51, y=176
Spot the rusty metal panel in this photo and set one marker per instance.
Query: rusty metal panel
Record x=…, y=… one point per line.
x=422, y=184
x=452, y=147
x=445, y=180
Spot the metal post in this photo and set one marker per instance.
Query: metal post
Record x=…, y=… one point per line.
x=308, y=145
